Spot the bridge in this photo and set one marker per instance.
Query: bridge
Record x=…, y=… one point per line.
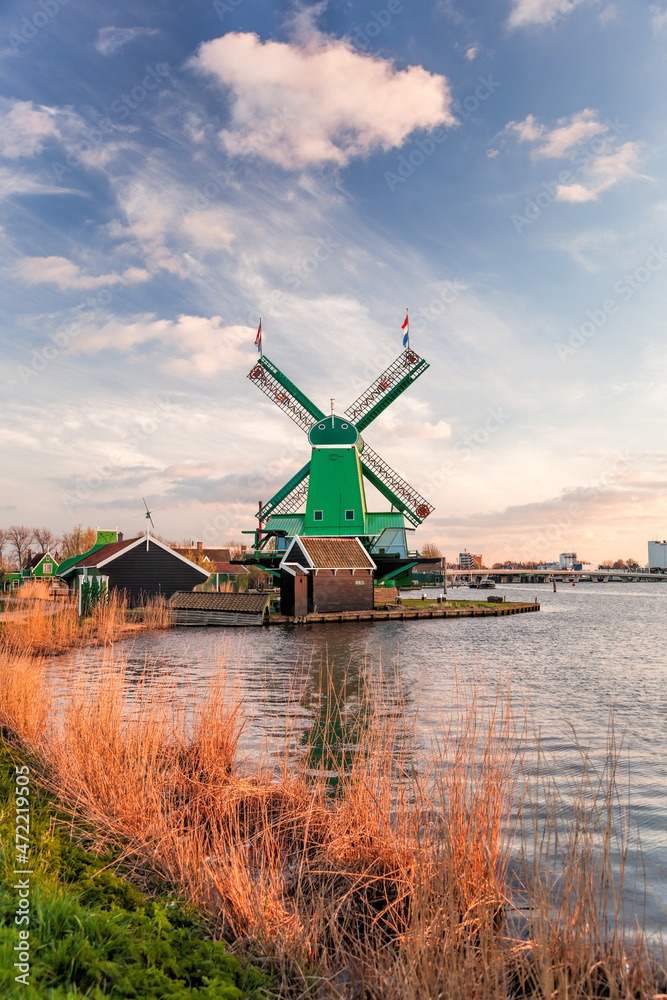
x=563, y=575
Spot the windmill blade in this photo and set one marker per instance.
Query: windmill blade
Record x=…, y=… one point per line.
x=289, y=498
x=151, y=520
x=387, y=387
x=394, y=487
x=285, y=394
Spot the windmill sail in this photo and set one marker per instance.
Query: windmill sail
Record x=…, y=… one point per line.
x=394, y=487
x=289, y=498
x=269, y=378
x=387, y=387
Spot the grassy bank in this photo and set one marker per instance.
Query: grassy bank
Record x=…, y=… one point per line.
x=92, y=933
x=388, y=877
x=34, y=625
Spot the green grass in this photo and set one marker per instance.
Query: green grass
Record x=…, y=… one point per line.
x=93, y=934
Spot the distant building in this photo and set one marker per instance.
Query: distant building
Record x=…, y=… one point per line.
x=657, y=555
x=469, y=561
x=568, y=560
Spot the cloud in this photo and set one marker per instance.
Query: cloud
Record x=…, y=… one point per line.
x=110, y=40
x=563, y=139
x=471, y=52
x=317, y=100
x=20, y=182
x=199, y=345
x=208, y=229
x=658, y=18
x=540, y=11
x=424, y=430
x=25, y=129
x=607, y=14
x=66, y=274
x=588, y=143
x=604, y=172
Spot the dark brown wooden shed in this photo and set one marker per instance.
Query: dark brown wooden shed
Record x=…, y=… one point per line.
x=326, y=575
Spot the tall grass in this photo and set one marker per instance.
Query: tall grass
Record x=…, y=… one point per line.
x=391, y=879
x=36, y=625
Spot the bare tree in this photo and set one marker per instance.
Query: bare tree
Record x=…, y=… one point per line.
x=19, y=538
x=77, y=541
x=430, y=550
x=46, y=540
x=235, y=549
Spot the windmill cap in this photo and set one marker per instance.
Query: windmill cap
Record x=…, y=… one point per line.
x=343, y=432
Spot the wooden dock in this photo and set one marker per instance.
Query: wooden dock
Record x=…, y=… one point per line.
x=408, y=614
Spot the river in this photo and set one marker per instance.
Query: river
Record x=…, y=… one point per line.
x=595, y=652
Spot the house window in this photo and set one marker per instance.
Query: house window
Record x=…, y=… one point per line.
x=47, y=567
x=349, y=515
x=318, y=515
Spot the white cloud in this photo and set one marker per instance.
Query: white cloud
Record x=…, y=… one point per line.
x=658, y=18
x=608, y=14
x=66, y=274
x=471, y=52
x=562, y=140
x=198, y=345
x=540, y=11
x=588, y=143
x=110, y=40
x=208, y=229
x=20, y=182
x=24, y=128
x=603, y=173
x=318, y=100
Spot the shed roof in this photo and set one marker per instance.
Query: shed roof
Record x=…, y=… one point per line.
x=331, y=553
x=253, y=604
x=104, y=552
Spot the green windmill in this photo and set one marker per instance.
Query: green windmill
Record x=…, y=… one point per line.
x=331, y=484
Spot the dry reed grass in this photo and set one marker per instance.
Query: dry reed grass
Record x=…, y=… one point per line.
x=391, y=882
x=38, y=626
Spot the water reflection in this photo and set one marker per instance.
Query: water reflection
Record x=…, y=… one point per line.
x=592, y=650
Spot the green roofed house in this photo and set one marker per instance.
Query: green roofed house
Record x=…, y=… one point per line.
x=41, y=566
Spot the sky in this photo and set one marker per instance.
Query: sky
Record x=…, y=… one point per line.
x=170, y=173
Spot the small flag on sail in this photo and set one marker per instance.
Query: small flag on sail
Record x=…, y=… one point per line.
x=258, y=338
x=406, y=327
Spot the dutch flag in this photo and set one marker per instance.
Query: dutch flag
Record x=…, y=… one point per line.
x=258, y=338
x=406, y=327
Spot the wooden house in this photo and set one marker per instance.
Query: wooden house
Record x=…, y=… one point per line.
x=326, y=575
x=139, y=567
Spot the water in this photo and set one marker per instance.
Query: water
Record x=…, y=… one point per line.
x=594, y=652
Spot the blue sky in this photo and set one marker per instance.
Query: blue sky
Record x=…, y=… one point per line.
x=171, y=172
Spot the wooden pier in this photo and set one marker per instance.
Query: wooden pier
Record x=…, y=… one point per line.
x=398, y=614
